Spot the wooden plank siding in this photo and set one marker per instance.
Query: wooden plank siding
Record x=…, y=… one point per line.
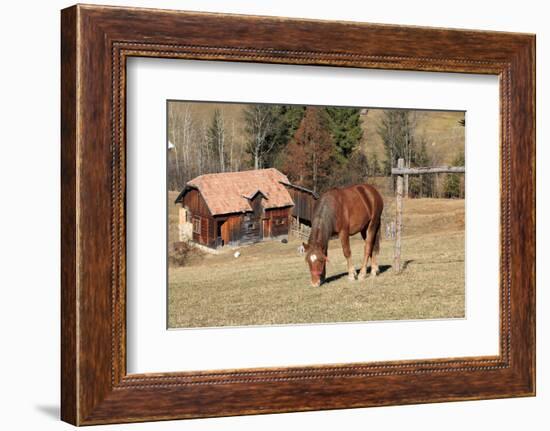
x=238, y=228
x=304, y=204
x=230, y=228
x=204, y=230
x=193, y=201
x=195, y=204
x=250, y=228
x=278, y=221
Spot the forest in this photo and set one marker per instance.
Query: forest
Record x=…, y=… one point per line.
x=316, y=147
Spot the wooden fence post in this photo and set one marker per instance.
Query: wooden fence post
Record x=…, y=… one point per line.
x=398, y=218
x=402, y=174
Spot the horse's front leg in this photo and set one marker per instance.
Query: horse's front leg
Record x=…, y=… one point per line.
x=344, y=239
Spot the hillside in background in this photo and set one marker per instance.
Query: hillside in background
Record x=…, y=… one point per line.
x=441, y=130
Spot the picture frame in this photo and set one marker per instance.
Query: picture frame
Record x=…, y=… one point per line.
x=96, y=41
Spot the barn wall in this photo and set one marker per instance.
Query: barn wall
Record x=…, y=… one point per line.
x=250, y=228
x=197, y=207
x=234, y=227
x=205, y=230
x=195, y=203
x=251, y=223
x=278, y=221
x=230, y=228
x=211, y=232
x=304, y=203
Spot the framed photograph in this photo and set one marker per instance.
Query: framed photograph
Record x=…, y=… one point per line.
x=267, y=215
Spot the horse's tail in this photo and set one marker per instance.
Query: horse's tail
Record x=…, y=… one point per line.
x=376, y=246
x=380, y=202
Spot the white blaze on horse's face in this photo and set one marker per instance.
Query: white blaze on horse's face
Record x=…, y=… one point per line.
x=316, y=261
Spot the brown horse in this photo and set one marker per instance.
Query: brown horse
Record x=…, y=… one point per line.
x=345, y=211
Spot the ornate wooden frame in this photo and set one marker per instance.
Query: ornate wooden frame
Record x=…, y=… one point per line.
x=95, y=42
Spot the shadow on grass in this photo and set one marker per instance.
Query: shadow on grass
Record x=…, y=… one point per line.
x=335, y=277
x=382, y=269
x=406, y=263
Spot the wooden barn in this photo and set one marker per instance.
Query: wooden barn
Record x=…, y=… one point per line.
x=232, y=208
x=301, y=213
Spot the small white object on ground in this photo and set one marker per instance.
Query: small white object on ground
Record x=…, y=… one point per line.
x=236, y=254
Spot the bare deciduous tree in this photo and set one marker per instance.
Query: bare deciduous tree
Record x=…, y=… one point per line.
x=259, y=125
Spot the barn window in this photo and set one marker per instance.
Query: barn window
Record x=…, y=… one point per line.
x=197, y=225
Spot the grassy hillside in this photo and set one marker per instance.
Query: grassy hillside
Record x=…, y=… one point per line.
x=440, y=129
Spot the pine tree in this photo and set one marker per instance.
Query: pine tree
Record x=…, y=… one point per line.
x=286, y=121
x=421, y=185
x=345, y=128
x=454, y=183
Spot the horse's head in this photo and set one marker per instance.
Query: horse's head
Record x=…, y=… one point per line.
x=316, y=260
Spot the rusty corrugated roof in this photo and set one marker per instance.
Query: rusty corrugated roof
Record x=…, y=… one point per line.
x=230, y=192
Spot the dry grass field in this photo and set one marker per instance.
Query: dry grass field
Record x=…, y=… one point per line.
x=269, y=283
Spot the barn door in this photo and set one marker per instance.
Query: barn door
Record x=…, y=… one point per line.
x=225, y=232
x=266, y=227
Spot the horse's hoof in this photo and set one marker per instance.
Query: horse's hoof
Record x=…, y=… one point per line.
x=362, y=276
x=351, y=277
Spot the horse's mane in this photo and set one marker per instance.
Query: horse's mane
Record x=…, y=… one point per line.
x=322, y=223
